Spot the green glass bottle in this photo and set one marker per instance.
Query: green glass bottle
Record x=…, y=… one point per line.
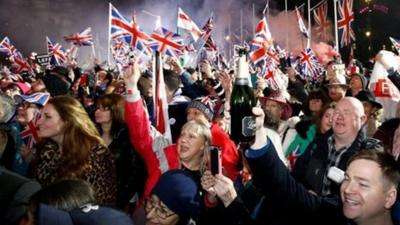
x=242, y=101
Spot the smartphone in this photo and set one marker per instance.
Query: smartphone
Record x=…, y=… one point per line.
x=215, y=160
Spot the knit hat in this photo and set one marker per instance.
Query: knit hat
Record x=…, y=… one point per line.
x=86, y=215
x=205, y=105
x=179, y=192
x=55, y=85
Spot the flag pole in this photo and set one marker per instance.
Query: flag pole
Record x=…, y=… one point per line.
x=309, y=24
x=287, y=20
x=109, y=35
x=93, y=51
x=252, y=20
x=241, y=26
x=336, y=28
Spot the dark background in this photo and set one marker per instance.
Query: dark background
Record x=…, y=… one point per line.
x=28, y=22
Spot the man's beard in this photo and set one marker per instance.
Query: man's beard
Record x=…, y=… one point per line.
x=270, y=121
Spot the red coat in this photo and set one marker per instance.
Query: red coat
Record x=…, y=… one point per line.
x=157, y=159
x=230, y=155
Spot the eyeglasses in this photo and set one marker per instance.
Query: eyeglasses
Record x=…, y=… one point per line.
x=26, y=105
x=161, y=211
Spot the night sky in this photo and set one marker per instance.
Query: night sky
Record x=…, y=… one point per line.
x=28, y=22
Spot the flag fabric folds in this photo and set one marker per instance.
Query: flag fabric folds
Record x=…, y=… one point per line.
x=126, y=30
x=261, y=43
x=166, y=42
x=84, y=38
x=30, y=135
x=344, y=23
x=160, y=99
x=322, y=22
x=185, y=23
x=309, y=66
x=56, y=51
x=302, y=26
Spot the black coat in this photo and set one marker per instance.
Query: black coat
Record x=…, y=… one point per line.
x=300, y=206
x=311, y=166
x=15, y=192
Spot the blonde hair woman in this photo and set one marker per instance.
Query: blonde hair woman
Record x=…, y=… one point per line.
x=73, y=148
x=189, y=153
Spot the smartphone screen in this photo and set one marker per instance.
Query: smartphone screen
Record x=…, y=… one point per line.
x=215, y=160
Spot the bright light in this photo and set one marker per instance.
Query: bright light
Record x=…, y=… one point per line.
x=227, y=37
x=368, y=33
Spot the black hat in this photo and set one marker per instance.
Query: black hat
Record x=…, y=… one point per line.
x=55, y=85
x=62, y=71
x=368, y=96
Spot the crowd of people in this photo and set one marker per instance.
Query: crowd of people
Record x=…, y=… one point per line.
x=81, y=147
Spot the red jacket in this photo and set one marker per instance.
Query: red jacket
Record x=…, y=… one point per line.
x=156, y=152
x=230, y=155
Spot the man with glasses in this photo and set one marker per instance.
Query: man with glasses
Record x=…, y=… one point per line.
x=174, y=200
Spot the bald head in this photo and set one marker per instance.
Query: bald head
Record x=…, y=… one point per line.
x=348, y=118
x=355, y=104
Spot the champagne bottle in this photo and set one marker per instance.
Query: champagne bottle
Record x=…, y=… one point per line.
x=242, y=102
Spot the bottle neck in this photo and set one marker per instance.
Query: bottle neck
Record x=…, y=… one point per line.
x=241, y=81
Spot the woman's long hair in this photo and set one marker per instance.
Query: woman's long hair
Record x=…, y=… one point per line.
x=205, y=133
x=115, y=103
x=80, y=135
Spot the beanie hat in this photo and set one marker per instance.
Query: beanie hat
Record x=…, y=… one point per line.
x=86, y=215
x=55, y=85
x=205, y=105
x=179, y=192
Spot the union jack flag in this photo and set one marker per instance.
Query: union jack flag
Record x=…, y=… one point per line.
x=30, y=135
x=166, y=42
x=302, y=27
x=123, y=29
x=8, y=48
x=56, y=51
x=83, y=38
x=19, y=64
x=261, y=43
x=206, y=40
x=309, y=66
x=120, y=52
x=322, y=22
x=395, y=43
x=346, y=18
